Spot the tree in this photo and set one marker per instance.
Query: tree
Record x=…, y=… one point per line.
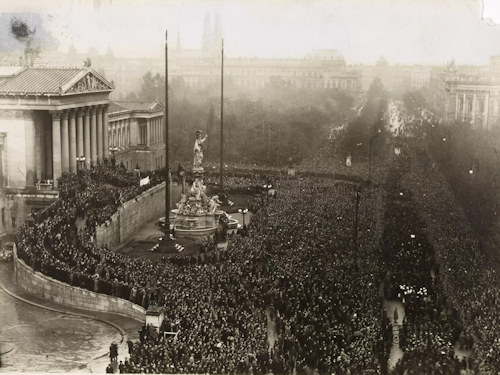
x=414, y=101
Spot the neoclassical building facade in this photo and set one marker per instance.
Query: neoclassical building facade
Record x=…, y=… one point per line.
x=48, y=118
x=136, y=134
x=473, y=99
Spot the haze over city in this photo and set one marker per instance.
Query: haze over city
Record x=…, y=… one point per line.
x=425, y=31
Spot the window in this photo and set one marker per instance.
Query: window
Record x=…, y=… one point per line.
x=13, y=219
x=143, y=134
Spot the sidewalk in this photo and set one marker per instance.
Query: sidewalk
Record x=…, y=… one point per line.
x=127, y=326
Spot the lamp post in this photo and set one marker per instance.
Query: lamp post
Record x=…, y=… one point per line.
x=356, y=232
x=221, y=182
x=80, y=162
x=113, y=150
x=243, y=212
x=167, y=161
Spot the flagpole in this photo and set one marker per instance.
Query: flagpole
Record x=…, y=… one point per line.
x=167, y=163
x=221, y=183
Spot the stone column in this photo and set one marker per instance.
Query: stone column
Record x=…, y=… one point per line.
x=162, y=122
x=129, y=121
x=86, y=126
x=47, y=138
x=474, y=109
x=93, y=135
x=105, y=131
x=29, y=129
x=464, y=108
x=56, y=146
x=155, y=128
x=148, y=132
x=64, y=142
x=39, y=150
x=100, y=154
x=79, y=132
x=72, y=141
x=486, y=120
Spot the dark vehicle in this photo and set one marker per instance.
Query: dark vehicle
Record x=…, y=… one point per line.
x=7, y=251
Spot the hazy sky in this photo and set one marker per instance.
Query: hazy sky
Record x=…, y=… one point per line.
x=403, y=31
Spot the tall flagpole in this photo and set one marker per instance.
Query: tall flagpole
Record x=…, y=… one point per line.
x=221, y=183
x=167, y=163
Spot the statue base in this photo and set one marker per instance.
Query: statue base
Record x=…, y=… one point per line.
x=198, y=171
x=202, y=224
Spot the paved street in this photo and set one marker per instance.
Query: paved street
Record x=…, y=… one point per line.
x=41, y=336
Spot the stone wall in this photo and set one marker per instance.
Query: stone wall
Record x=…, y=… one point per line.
x=133, y=214
x=53, y=290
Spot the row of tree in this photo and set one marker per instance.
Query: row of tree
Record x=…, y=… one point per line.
x=268, y=126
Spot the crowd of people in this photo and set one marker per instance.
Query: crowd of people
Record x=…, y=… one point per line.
x=469, y=282
x=311, y=262
x=298, y=267
x=430, y=328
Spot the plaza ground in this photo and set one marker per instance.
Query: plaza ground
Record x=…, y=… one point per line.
x=42, y=336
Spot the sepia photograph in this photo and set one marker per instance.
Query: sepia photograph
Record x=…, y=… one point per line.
x=286, y=187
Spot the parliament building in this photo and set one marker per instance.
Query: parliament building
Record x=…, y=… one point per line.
x=56, y=120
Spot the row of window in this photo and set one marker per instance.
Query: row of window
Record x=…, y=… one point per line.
x=298, y=83
x=278, y=72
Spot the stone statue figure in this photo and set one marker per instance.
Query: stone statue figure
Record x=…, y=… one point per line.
x=196, y=189
x=198, y=150
x=213, y=204
x=181, y=206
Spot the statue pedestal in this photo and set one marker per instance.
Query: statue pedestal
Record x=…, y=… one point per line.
x=198, y=171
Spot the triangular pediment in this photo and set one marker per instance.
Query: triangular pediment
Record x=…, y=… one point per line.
x=88, y=81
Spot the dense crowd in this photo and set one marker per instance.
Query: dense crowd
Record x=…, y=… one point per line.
x=469, y=282
x=299, y=268
x=302, y=265
x=430, y=327
x=299, y=272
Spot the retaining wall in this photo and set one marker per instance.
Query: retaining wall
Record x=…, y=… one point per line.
x=53, y=290
x=131, y=216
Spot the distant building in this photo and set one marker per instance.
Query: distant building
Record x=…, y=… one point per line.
x=48, y=118
x=136, y=132
x=473, y=99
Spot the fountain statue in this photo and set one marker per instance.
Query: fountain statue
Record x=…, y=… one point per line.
x=196, y=213
x=198, y=151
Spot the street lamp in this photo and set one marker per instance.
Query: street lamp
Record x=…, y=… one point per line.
x=243, y=212
x=80, y=162
x=356, y=232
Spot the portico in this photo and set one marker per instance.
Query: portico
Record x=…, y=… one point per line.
x=48, y=118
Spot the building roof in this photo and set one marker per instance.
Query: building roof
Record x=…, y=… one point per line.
x=154, y=106
x=52, y=81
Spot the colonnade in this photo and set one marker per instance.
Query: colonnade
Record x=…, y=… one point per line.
x=155, y=130
x=78, y=132
x=474, y=106
x=119, y=133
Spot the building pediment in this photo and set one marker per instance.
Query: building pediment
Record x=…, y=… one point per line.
x=87, y=81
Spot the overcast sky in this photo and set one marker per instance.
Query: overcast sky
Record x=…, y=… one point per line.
x=403, y=31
